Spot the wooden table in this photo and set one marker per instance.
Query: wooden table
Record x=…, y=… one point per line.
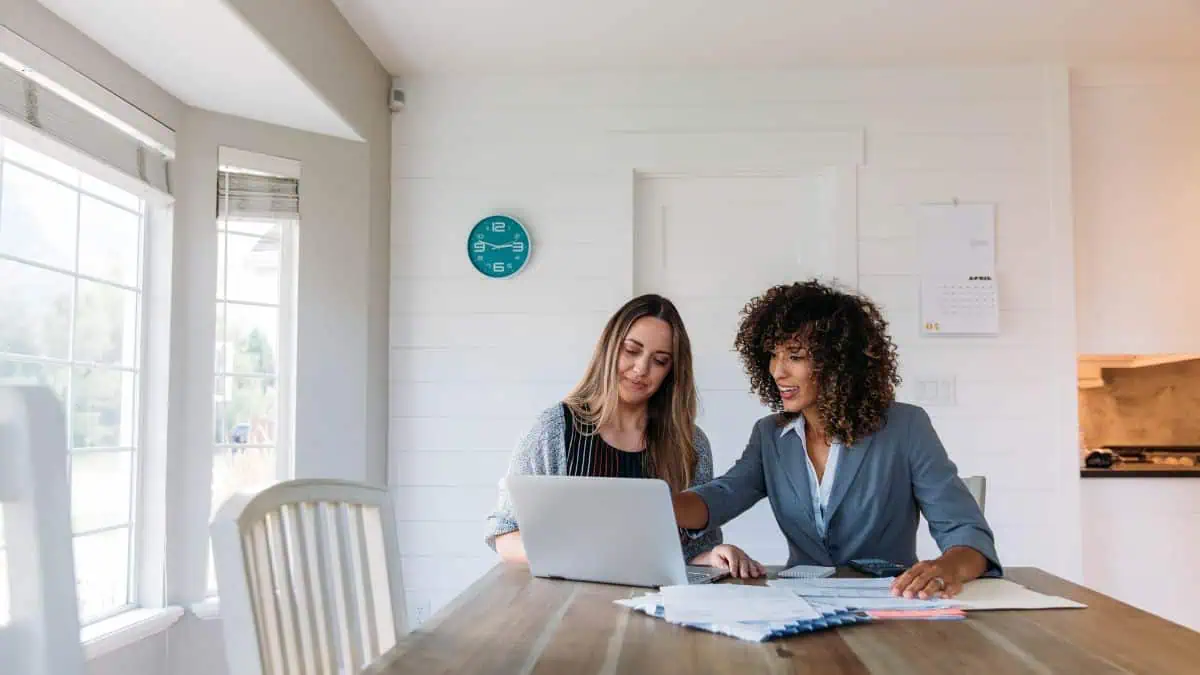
x=509, y=622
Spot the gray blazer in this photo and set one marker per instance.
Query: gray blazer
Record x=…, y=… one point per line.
x=543, y=451
x=880, y=487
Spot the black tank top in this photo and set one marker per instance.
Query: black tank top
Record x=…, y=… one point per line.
x=590, y=455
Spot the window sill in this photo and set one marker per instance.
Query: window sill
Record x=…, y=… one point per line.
x=207, y=609
x=125, y=629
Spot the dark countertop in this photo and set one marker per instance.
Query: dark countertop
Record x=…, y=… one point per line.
x=1141, y=471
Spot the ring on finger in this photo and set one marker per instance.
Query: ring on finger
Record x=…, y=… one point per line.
x=941, y=583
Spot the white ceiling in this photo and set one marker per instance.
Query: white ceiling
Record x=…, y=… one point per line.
x=557, y=36
x=204, y=53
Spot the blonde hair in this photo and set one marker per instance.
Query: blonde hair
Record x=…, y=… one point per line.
x=670, y=427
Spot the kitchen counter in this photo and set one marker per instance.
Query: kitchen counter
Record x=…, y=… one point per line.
x=1140, y=470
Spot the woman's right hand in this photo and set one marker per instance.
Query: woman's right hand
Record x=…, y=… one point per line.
x=732, y=558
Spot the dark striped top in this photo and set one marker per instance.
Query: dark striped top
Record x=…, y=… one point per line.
x=590, y=455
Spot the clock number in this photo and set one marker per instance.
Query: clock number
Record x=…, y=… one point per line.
x=478, y=246
x=518, y=247
x=498, y=268
x=499, y=226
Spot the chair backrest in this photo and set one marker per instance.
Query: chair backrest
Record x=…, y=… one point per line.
x=309, y=577
x=39, y=614
x=977, y=486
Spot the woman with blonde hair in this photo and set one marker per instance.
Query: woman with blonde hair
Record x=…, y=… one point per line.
x=632, y=415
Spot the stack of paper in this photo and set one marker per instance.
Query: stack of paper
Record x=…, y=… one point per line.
x=754, y=613
x=807, y=572
x=791, y=606
x=858, y=594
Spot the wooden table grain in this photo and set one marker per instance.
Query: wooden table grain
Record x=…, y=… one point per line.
x=510, y=622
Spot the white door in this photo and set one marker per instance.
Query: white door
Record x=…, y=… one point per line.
x=711, y=244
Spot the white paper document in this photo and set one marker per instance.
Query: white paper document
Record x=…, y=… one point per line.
x=807, y=572
x=729, y=603
x=854, y=594
x=983, y=594
x=836, y=588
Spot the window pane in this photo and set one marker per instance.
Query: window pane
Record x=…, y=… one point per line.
x=111, y=192
x=246, y=410
x=220, y=265
x=36, y=160
x=22, y=372
x=257, y=228
x=102, y=409
x=106, y=324
x=253, y=268
x=37, y=218
x=238, y=470
x=100, y=489
x=35, y=310
x=102, y=573
x=221, y=365
x=108, y=242
x=252, y=334
x=241, y=470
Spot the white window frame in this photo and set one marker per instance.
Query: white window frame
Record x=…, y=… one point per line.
x=146, y=611
x=234, y=159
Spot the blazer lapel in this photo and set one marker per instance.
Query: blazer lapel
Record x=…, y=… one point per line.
x=792, y=457
x=848, y=465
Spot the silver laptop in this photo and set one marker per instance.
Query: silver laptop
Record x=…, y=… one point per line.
x=608, y=530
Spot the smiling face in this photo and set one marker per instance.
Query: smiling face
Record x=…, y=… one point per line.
x=791, y=367
x=645, y=361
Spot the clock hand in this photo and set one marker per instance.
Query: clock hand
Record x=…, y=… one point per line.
x=508, y=245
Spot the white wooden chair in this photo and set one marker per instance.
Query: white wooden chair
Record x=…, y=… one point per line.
x=977, y=486
x=41, y=635
x=309, y=578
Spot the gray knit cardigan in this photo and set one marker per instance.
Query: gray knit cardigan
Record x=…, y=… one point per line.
x=543, y=451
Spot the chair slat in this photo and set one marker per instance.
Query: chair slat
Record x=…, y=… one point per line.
x=378, y=581
x=302, y=589
x=340, y=592
x=272, y=653
x=293, y=633
x=362, y=573
x=347, y=552
x=324, y=592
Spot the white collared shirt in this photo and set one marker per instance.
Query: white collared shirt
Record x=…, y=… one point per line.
x=819, y=490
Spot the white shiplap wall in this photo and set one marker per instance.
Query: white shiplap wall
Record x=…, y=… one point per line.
x=474, y=360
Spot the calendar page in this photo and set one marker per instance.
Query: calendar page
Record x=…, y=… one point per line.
x=951, y=306
x=959, y=293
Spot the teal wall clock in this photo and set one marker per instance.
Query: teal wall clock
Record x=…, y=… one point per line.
x=498, y=246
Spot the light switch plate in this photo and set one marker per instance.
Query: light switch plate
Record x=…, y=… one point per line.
x=935, y=391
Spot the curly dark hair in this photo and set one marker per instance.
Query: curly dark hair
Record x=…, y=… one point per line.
x=853, y=357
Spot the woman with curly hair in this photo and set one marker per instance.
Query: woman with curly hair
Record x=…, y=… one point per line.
x=847, y=470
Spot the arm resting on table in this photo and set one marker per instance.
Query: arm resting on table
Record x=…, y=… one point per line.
x=955, y=520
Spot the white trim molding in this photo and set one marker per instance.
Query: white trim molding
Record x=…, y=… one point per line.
x=125, y=629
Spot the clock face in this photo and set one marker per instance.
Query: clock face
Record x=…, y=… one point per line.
x=498, y=246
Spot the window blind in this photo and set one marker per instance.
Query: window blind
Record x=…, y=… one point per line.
x=257, y=196
x=28, y=102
